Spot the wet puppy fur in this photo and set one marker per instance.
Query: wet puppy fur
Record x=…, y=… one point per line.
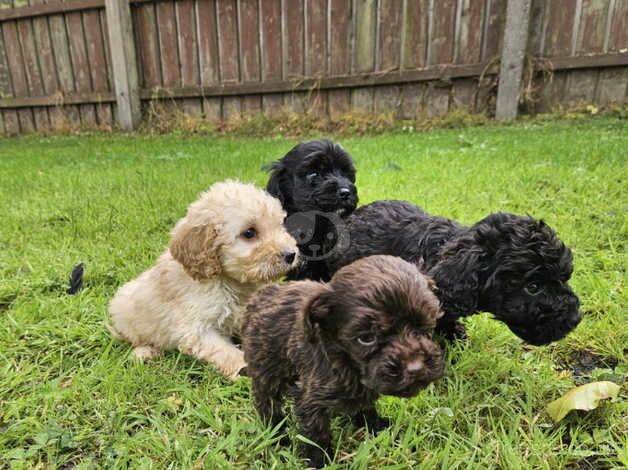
x=315, y=182
x=364, y=334
x=513, y=266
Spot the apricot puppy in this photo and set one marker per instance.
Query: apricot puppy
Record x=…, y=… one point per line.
x=231, y=242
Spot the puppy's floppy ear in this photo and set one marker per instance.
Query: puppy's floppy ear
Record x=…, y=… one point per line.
x=196, y=248
x=317, y=309
x=457, y=276
x=277, y=184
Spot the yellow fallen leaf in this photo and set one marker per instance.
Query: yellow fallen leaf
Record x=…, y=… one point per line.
x=586, y=397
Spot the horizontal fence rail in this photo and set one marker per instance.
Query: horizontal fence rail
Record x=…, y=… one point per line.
x=224, y=58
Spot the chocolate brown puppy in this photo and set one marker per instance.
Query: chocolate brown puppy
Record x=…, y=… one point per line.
x=364, y=334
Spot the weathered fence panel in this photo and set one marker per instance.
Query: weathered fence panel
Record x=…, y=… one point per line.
x=224, y=58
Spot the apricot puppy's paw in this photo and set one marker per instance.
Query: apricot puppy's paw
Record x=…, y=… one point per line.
x=145, y=353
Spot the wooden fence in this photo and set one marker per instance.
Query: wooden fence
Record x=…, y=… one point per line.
x=221, y=58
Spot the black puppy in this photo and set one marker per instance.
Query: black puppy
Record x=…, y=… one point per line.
x=315, y=184
x=512, y=266
x=364, y=334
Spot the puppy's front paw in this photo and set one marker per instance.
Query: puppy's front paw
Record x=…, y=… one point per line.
x=379, y=424
x=145, y=353
x=371, y=421
x=314, y=456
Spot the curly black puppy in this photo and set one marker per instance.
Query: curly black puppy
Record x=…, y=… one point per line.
x=364, y=334
x=315, y=184
x=512, y=266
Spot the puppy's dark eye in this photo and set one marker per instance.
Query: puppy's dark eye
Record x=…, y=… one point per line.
x=367, y=339
x=392, y=368
x=533, y=288
x=249, y=233
x=310, y=177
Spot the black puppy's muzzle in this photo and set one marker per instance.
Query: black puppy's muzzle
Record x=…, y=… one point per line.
x=564, y=316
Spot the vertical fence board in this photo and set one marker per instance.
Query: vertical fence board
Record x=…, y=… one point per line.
x=415, y=40
x=470, y=38
x=231, y=107
x=271, y=36
x=146, y=37
x=387, y=99
x=495, y=29
x=61, y=115
x=592, y=26
x=228, y=40
x=362, y=99
x=80, y=64
x=316, y=51
x=552, y=92
x=411, y=98
x=364, y=37
x=339, y=101
x=212, y=108
x=5, y=80
x=618, y=39
x=561, y=14
x=580, y=87
x=187, y=41
x=463, y=94
x=107, y=49
x=340, y=37
x=33, y=73
x=18, y=74
x=535, y=34
x=294, y=31
x=435, y=101
x=208, y=55
x=167, y=24
x=316, y=40
x=11, y=123
x=364, y=53
x=390, y=35
x=611, y=88
x=272, y=52
x=443, y=32
x=208, y=42
x=46, y=57
x=96, y=52
x=31, y=65
x=249, y=41
x=250, y=53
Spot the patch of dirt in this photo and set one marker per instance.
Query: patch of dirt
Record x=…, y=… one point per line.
x=591, y=463
x=584, y=362
x=6, y=301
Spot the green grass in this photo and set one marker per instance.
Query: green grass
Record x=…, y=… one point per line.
x=70, y=395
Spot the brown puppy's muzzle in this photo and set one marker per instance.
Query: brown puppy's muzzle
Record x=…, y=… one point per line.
x=405, y=366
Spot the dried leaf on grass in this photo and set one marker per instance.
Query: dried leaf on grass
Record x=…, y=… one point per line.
x=586, y=397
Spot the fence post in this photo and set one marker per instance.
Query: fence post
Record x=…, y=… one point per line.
x=513, y=53
x=124, y=63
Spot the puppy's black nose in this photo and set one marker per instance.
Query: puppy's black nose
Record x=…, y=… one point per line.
x=288, y=256
x=344, y=193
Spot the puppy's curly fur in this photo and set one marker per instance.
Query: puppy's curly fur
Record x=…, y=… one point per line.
x=364, y=334
x=231, y=242
x=315, y=180
x=512, y=266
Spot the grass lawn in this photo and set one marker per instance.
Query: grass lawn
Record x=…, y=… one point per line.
x=71, y=395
